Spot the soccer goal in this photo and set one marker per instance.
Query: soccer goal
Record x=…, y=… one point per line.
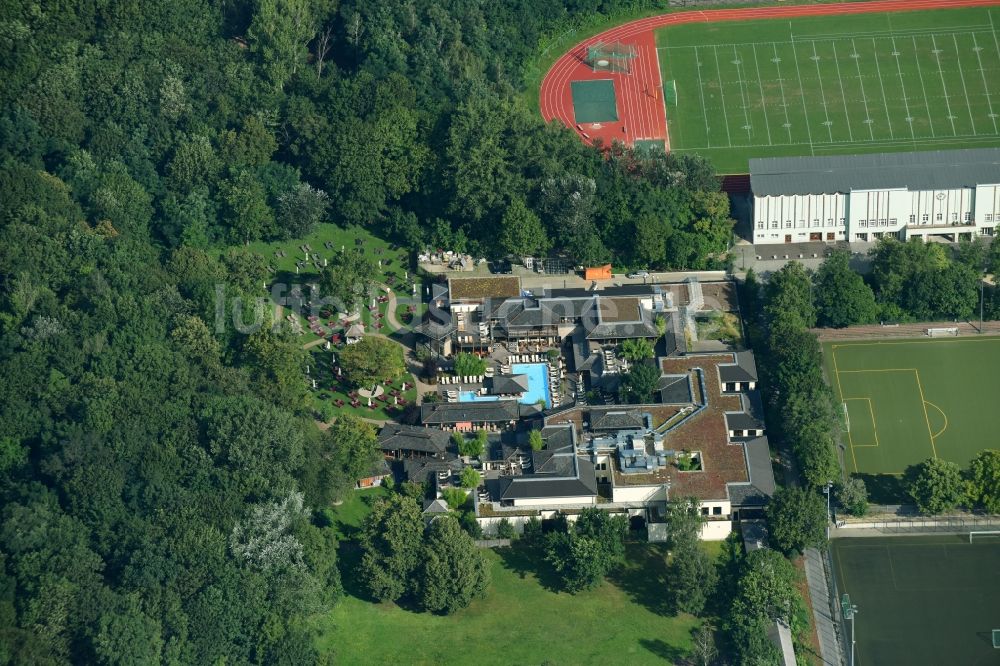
x=942, y=332
x=983, y=534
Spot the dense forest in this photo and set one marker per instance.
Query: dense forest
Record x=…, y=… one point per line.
x=160, y=478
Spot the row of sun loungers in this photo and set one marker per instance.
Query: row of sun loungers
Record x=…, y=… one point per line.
x=463, y=379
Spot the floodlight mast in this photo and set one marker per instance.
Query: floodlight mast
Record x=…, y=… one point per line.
x=849, y=610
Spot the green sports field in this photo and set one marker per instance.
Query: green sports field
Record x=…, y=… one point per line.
x=833, y=85
x=921, y=600
x=909, y=400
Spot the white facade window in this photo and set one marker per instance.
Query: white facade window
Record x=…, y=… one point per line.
x=843, y=220
x=882, y=222
x=893, y=221
x=788, y=224
x=926, y=218
x=938, y=217
x=989, y=217
x=954, y=217
x=968, y=216
x=913, y=219
x=829, y=221
x=760, y=225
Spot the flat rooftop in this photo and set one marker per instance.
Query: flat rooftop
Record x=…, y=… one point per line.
x=472, y=288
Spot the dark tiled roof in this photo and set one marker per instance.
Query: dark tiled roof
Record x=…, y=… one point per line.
x=533, y=486
x=399, y=437
x=509, y=384
x=616, y=419
x=493, y=411
x=675, y=389
x=422, y=469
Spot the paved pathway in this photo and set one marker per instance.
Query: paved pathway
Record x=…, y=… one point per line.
x=819, y=593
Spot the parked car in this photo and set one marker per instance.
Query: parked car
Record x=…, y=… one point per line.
x=638, y=274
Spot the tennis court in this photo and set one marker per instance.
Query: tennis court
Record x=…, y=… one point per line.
x=921, y=600
x=594, y=101
x=904, y=401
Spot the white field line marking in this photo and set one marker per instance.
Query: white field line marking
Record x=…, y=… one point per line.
x=832, y=145
x=722, y=95
x=781, y=86
x=965, y=88
x=944, y=86
x=763, y=100
x=927, y=103
x=822, y=94
x=843, y=93
x=885, y=100
x=701, y=91
x=802, y=92
x=864, y=98
x=902, y=86
x=743, y=95
x=986, y=87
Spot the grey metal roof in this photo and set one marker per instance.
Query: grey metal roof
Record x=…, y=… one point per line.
x=761, y=485
x=744, y=370
x=741, y=421
x=930, y=170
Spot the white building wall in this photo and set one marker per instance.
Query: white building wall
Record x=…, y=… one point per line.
x=554, y=501
x=800, y=216
x=871, y=214
x=987, y=209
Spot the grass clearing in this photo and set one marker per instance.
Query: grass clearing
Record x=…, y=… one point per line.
x=521, y=621
x=909, y=400
x=921, y=600
x=899, y=81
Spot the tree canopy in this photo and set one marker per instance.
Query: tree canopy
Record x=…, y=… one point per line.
x=372, y=360
x=797, y=519
x=935, y=485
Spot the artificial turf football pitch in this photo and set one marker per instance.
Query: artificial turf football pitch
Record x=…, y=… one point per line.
x=921, y=601
x=878, y=82
x=909, y=400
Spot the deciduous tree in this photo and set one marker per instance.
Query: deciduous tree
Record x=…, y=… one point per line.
x=935, y=485
x=796, y=519
x=453, y=570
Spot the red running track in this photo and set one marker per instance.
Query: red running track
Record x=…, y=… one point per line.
x=641, y=113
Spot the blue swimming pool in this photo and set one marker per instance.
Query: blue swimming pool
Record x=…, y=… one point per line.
x=538, y=385
x=538, y=382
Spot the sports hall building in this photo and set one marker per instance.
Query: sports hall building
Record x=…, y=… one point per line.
x=950, y=194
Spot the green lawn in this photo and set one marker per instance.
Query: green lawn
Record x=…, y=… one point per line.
x=921, y=600
x=833, y=85
x=347, y=517
x=521, y=622
x=909, y=400
x=394, y=261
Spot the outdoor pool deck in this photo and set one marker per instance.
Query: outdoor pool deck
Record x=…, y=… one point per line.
x=538, y=385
